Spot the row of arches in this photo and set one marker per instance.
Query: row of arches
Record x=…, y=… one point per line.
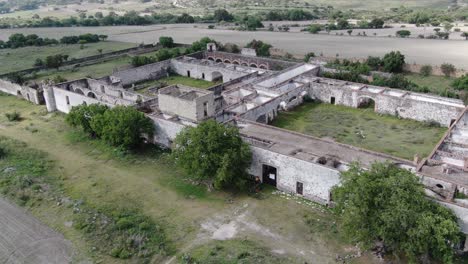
x=236, y=62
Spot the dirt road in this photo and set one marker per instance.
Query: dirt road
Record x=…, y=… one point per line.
x=23, y=239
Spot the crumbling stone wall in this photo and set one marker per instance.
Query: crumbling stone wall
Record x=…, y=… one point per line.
x=204, y=72
x=152, y=71
x=251, y=61
x=28, y=93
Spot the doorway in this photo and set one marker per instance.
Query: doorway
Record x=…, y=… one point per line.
x=269, y=175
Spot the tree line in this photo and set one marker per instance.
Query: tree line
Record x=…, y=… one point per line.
x=19, y=40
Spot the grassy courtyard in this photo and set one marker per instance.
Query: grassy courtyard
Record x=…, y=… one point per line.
x=278, y=228
x=363, y=128
x=175, y=79
x=436, y=84
x=24, y=58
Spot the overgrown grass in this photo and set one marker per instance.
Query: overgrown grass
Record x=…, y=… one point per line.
x=363, y=128
x=23, y=172
x=23, y=58
x=176, y=79
x=234, y=251
x=436, y=84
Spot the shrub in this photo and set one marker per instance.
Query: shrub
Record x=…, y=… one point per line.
x=2, y=152
x=374, y=62
x=13, y=116
x=393, y=62
x=447, y=69
x=82, y=116
x=426, y=70
x=403, y=33
x=262, y=49
x=461, y=83
x=308, y=56
x=166, y=42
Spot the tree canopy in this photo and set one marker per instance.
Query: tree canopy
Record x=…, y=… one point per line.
x=388, y=204
x=393, y=62
x=213, y=153
x=121, y=126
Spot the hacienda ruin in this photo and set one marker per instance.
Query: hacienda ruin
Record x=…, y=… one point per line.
x=250, y=92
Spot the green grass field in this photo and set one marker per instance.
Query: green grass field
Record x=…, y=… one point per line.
x=436, y=84
x=175, y=79
x=24, y=58
x=363, y=128
x=90, y=171
x=93, y=71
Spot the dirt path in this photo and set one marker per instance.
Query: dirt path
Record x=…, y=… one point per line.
x=23, y=239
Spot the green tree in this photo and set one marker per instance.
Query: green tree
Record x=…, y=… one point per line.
x=403, y=33
x=223, y=15
x=448, y=69
x=426, y=70
x=314, y=28
x=464, y=35
x=166, y=42
x=350, y=31
x=388, y=204
x=83, y=115
x=262, y=48
x=393, y=62
x=123, y=126
x=213, y=153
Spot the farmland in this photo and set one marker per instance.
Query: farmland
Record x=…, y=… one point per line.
x=421, y=51
x=24, y=58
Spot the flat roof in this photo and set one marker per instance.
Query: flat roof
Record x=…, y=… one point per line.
x=308, y=147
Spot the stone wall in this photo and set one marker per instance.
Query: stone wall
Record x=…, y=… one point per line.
x=165, y=130
x=204, y=72
x=63, y=100
x=258, y=62
x=25, y=92
x=147, y=72
x=420, y=107
x=317, y=179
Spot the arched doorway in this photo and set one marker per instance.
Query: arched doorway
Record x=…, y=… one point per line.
x=263, y=67
x=211, y=58
x=235, y=62
x=91, y=94
x=219, y=60
x=253, y=65
x=366, y=102
x=227, y=61
x=79, y=91
x=216, y=77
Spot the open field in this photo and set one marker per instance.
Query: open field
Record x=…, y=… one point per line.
x=93, y=71
x=24, y=58
x=285, y=226
x=420, y=51
x=363, y=128
x=436, y=84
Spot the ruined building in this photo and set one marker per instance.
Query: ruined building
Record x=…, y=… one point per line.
x=250, y=94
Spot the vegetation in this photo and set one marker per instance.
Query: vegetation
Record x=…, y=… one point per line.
x=308, y=56
x=173, y=80
x=262, y=49
x=447, y=69
x=166, y=42
x=13, y=116
x=388, y=204
x=347, y=65
x=121, y=126
x=214, y=154
x=122, y=233
x=19, y=40
x=461, y=83
x=160, y=55
x=232, y=251
x=426, y=70
x=393, y=62
x=362, y=128
x=403, y=33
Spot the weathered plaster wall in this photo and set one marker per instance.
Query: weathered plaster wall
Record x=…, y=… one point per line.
x=147, y=72
x=25, y=92
x=165, y=130
x=64, y=100
x=204, y=72
x=317, y=179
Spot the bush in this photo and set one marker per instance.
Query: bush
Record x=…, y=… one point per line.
x=447, y=69
x=2, y=152
x=426, y=70
x=374, y=62
x=461, y=83
x=308, y=56
x=82, y=116
x=393, y=62
x=403, y=33
x=213, y=153
x=396, y=81
x=166, y=42
x=13, y=116
x=262, y=49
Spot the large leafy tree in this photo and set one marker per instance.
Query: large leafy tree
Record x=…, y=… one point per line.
x=123, y=126
x=393, y=62
x=388, y=204
x=82, y=116
x=213, y=153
